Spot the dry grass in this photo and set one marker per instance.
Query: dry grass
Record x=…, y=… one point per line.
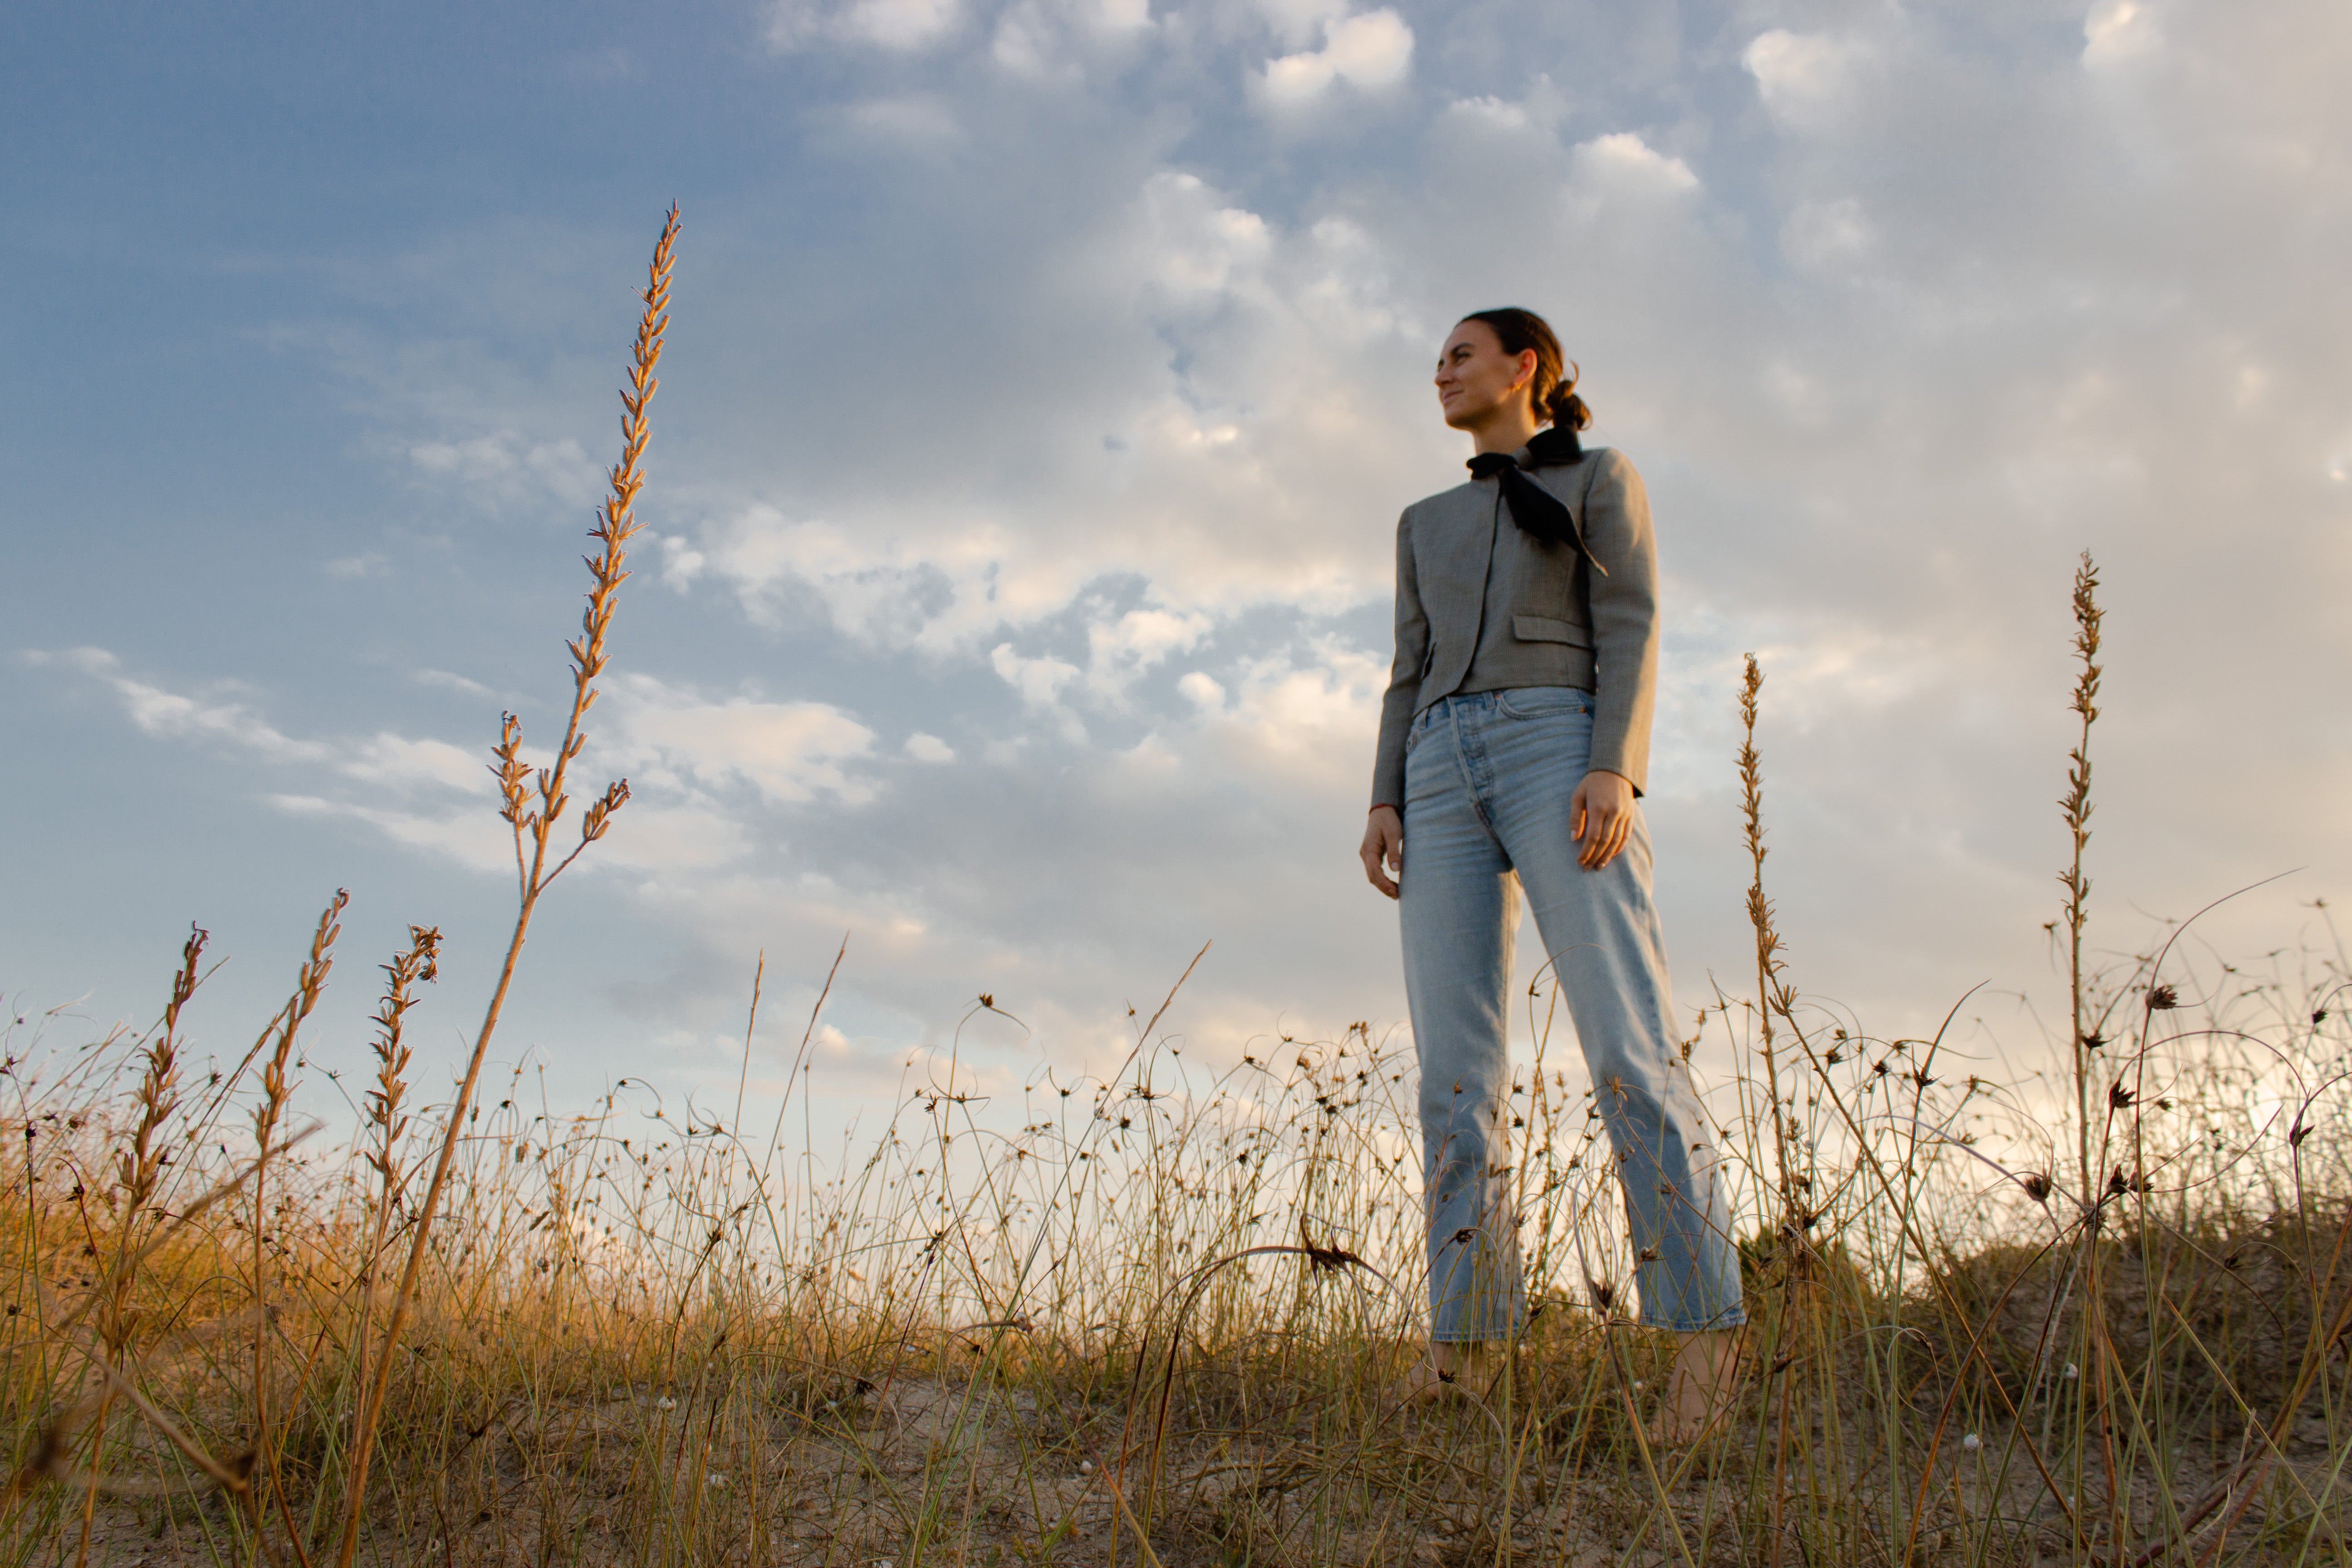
x=2096, y=1316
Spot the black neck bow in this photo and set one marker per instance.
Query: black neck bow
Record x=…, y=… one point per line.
x=1539, y=513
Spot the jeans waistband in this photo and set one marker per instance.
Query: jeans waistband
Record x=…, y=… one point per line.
x=1492, y=698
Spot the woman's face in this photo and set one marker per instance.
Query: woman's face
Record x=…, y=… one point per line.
x=1475, y=379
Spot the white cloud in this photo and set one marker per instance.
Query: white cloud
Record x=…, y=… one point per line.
x=896, y=25
x=2117, y=32
x=681, y=564
x=1024, y=39
x=161, y=711
x=1198, y=247
x=889, y=592
x=645, y=836
x=396, y=761
x=1808, y=79
x=928, y=748
x=1330, y=707
x=1040, y=681
x=1039, y=36
x=1494, y=113
x=668, y=840
x=502, y=468
x=1370, y=51
x=1201, y=690
x=447, y=681
x=1623, y=161
x=1118, y=651
x=791, y=752
x=404, y=763
x=477, y=839
x=1529, y=125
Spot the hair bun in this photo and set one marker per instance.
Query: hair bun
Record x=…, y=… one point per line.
x=1569, y=412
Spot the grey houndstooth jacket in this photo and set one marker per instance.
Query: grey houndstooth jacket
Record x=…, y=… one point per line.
x=1445, y=547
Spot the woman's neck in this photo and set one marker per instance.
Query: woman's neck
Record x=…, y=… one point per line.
x=1507, y=429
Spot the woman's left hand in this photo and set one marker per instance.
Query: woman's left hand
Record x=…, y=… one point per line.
x=1602, y=812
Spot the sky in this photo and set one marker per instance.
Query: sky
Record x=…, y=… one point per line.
x=1043, y=382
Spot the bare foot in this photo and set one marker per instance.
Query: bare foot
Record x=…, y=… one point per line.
x=1698, y=1388
x=1445, y=1370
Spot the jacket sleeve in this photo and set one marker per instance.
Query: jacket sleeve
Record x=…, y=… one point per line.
x=1624, y=617
x=1404, y=677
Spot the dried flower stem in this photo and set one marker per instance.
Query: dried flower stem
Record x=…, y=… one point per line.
x=531, y=808
x=419, y=964
x=2075, y=806
x=1772, y=994
x=276, y=1087
x=139, y=1169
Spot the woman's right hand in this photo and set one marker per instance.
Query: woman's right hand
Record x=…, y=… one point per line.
x=1383, y=848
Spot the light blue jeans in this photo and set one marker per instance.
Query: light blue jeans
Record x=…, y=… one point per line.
x=1488, y=781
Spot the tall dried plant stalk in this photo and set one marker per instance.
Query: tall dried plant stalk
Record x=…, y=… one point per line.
x=140, y=1167
x=2075, y=914
x=1772, y=995
x=386, y=1123
x=140, y=1164
x=2076, y=804
x=1771, y=989
x=531, y=808
x=276, y=1088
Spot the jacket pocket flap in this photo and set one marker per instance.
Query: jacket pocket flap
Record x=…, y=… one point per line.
x=1542, y=629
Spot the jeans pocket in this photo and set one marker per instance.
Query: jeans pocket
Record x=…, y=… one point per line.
x=1544, y=702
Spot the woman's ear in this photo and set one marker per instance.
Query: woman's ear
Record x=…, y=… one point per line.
x=1525, y=374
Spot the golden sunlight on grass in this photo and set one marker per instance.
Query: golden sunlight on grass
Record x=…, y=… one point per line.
x=2096, y=1318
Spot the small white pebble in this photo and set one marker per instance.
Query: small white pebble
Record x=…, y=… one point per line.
x=1972, y=1442
x=716, y=1479
x=2070, y=1371
x=1637, y=1385
x=666, y=1403
x=1086, y=1467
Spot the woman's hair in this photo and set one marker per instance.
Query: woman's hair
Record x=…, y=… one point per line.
x=1552, y=393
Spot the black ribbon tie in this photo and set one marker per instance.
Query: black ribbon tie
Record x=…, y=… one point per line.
x=1540, y=515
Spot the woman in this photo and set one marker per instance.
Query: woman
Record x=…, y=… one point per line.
x=1514, y=742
